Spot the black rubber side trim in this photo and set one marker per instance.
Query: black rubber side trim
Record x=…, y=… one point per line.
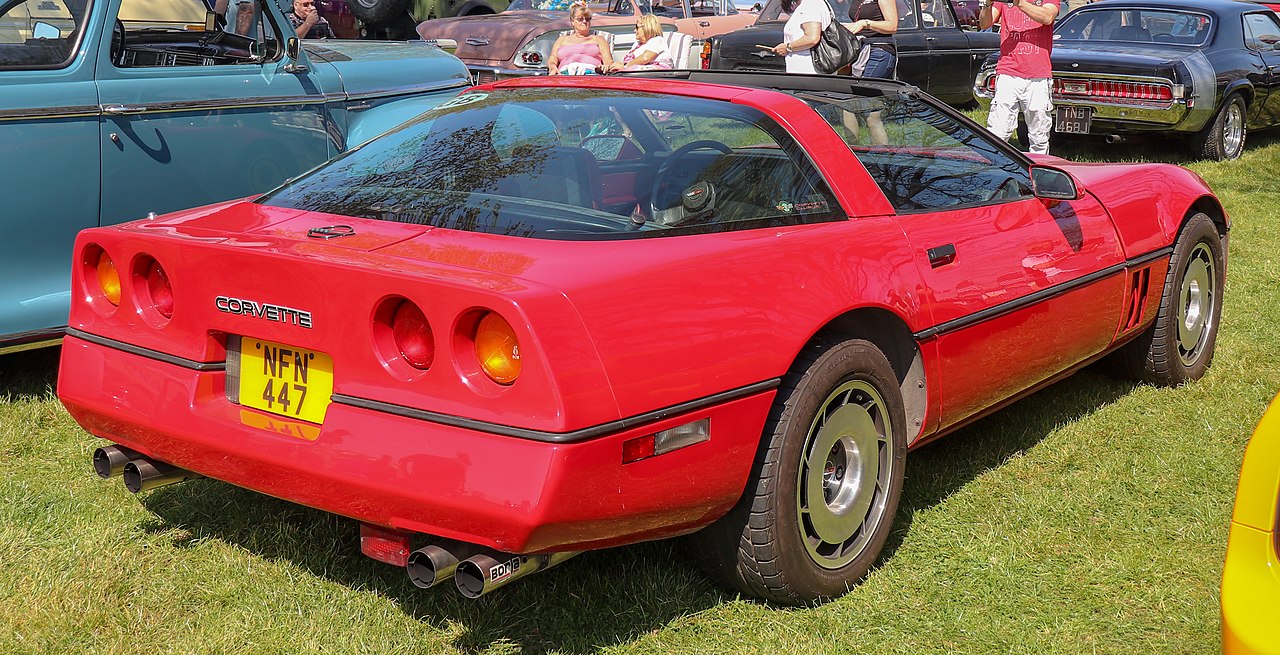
x=147, y=352
x=1040, y=296
x=20, y=341
x=556, y=437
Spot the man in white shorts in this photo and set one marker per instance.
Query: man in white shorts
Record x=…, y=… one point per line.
x=1024, y=74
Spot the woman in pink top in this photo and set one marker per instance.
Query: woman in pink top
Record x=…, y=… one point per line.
x=579, y=52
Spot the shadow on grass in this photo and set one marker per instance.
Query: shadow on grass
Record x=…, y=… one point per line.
x=1145, y=148
x=941, y=468
x=601, y=598
x=29, y=375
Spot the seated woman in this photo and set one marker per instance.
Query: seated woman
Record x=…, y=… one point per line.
x=650, y=49
x=580, y=52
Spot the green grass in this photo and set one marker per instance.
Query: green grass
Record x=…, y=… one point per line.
x=1089, y=518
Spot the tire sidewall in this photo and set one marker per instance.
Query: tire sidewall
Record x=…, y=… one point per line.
x=1220, y=127
x=1199, y=229
x=843, y=362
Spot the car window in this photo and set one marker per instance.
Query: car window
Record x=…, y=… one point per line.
x=1136, y=25
x=936, y=13
x=40, y=33
x=568, y=164
x=907, y=18
x=153, y=33
x=922, y=158
x=1262, y=32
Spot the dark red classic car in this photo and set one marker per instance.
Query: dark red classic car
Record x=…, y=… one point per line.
x=559, y=314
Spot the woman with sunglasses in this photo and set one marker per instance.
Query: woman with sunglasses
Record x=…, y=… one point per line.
x=580, y=52
x=650, y=49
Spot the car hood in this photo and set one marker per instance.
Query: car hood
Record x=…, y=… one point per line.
x=1121, y=58
x=386, y=67
x=496, y=37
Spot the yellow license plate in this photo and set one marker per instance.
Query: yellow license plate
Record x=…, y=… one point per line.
x=285, y=380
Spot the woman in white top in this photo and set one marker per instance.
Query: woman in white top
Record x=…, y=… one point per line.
x=802, y=31
x=650, y=49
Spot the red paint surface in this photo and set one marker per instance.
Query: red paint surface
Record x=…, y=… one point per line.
x=607, y=331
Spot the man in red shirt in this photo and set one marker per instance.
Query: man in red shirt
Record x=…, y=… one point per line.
x=1024, y=75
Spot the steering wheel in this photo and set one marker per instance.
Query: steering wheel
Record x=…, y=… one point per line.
x=676, y=214
x=117, y=43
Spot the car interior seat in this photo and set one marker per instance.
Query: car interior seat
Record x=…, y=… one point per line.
x=1130, y=33
x=678, y=44
x=567, y=175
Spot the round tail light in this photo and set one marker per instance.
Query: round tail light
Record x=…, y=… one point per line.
x=160, y=290
x=108, y=279
x=412, y=336
x=498, y=349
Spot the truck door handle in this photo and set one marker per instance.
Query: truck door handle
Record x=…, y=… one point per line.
x=942, y=255
x=117, y=110
x=703, y=23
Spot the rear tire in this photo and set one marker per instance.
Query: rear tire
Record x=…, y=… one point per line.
x=1178, y=347
x=1223, y=138
x=378, y=13
x=820, y=502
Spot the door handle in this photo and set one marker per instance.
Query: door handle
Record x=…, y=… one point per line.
x=703, y=23
x=117, y=110
x=942, y=255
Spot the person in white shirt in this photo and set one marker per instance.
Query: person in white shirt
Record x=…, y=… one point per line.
x=802, y=31
x=650, y=49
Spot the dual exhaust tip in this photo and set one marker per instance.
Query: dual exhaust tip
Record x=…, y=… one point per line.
x=141, y=473
x=475, y=570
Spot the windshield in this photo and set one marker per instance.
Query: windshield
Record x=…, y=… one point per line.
x=1136, y=26
x=574, y=164
x=40, y=33
x=772, y=10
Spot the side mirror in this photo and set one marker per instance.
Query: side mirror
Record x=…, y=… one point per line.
x=43, y=30
x=292, y=46
x=210, y=21
x=1053, y=184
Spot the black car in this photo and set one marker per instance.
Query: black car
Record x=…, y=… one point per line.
x=937, y=49
x=1207, y=71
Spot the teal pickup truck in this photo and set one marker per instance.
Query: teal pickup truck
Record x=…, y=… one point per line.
x=111, y=110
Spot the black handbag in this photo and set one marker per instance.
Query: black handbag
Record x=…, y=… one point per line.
x=836, y=48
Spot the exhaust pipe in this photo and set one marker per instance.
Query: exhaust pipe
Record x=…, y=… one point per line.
x=109, y=461
x=144, y=474
x=482, y=574
x=1115, y=138
x=430, y=565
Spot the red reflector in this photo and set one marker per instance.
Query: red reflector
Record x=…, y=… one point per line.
x=384, y=545
x=634, y=450
x=160, y=289
x=413, y=336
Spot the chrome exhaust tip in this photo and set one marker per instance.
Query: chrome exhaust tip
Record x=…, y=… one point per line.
x=144, y=474
x=482, y=574
x=430, y=565
x=109, y=461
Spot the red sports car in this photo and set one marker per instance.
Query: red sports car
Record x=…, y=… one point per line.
x=561, y=314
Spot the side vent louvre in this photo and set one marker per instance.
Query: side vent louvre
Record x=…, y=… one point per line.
x=1138, y=286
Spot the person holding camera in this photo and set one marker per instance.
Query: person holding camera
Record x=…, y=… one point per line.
x=1024, y=74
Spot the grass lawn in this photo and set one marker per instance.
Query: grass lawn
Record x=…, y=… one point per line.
x=1089, y=518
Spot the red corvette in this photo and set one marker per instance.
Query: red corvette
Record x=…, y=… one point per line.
x=560, y=314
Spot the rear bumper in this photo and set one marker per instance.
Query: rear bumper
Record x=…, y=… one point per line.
x=1114, y=116
x=512, y=494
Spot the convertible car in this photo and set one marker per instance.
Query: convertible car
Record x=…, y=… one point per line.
x=1206, y=72
x=1251, y=575
x=559, y=314
x=934, y=52
x=114, y=109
